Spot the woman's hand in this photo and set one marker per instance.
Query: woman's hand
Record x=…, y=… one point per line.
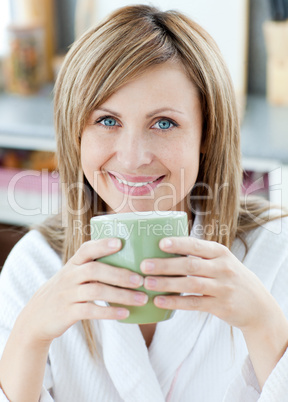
x=68, y=296
x=224, y=288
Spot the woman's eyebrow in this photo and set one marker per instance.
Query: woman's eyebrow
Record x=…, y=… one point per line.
x=151, y=114
x=163, y=109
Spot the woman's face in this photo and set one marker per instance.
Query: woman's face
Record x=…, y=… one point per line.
x=140, y=149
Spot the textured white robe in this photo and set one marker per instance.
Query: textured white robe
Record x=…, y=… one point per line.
x=192, y=356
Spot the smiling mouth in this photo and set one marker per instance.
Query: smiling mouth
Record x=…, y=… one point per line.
x=134, y=184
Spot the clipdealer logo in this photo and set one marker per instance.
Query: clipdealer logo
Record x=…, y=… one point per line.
x=51, y=198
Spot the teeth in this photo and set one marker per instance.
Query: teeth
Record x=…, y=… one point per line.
x=132, y=184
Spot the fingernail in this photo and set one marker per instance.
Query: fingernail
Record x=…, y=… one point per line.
x=141, y=298
x=150, y=282
x=148, y=266
x=123, y=313
x=166, y=243
x=137, y=280
x=114, y=243
x=160, y=300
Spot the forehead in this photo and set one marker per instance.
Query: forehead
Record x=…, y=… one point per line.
x=167, y=82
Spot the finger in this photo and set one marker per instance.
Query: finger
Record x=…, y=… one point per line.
x=179, y=266
x=191, y=246
x=191, y=284
x=93, y=249
x=97, y=271
x=90, y=311
x=99, y=291
x=197, y=303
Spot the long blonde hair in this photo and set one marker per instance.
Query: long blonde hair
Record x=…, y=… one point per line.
x=118, y=49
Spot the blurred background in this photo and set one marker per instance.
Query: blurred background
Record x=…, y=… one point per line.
x=34, y=38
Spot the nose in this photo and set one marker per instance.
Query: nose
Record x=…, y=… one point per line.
x=134, y=150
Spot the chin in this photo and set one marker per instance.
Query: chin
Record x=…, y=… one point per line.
x=138, y=205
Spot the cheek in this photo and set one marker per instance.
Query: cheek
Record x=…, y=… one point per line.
x=87, y=160
x=93, y=156
x=186, y=156
x=186, y=165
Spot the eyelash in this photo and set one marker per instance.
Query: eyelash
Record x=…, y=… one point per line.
x=174, y=124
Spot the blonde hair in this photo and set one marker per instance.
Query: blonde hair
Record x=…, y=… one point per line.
x=118, y=49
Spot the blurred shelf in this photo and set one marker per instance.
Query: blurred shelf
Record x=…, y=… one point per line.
x=264, y=144
x=264, y=131
x=12, y=218
x=28, y=196
x=26, y=122
x=260, y=164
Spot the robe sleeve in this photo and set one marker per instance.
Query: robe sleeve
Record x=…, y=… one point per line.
x=3, y=397
x=47, y=389
x=245, y=387
x=23, y=273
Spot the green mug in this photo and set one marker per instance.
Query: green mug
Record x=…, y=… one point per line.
x=140, y=233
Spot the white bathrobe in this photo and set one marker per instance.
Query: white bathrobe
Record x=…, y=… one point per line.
x=192, y=356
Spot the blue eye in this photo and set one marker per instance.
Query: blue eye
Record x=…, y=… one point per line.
x=108, y=121
x=165, y=124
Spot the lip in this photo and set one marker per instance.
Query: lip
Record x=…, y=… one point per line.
x=136, y=191
x=134, y=179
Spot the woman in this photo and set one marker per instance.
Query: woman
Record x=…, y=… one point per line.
x=145, y=98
